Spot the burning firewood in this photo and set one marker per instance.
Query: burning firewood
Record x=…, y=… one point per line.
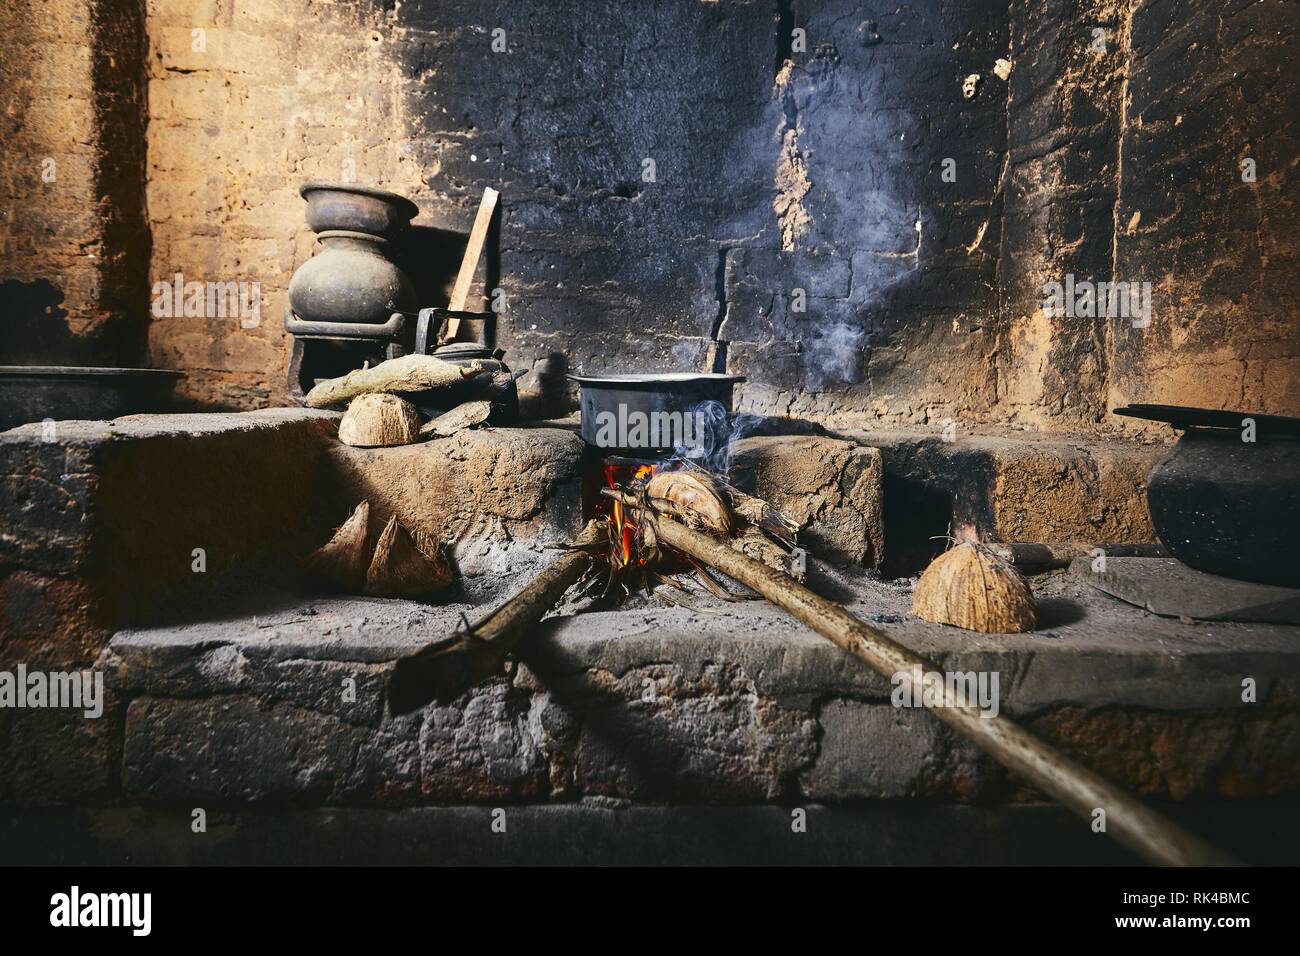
x=1141, y=829
x=694, y=497
x=399, y=569
x=342, y=561
x=757, y=545
x=379, y=420
x=410, y=373
x=973, y=588
x=754, y=511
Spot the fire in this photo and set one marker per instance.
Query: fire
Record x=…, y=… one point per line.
x=621, y=521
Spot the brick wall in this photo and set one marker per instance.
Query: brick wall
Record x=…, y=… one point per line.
x=73, y=241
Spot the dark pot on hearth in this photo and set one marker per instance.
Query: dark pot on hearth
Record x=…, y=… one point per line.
x=1226, y=500
x=352, y=279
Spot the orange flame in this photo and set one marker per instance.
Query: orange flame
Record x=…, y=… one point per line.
x=621, y=521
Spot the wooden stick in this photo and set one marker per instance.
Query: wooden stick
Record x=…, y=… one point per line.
x=445, y=669
x=1136, y=826
x=469, y=262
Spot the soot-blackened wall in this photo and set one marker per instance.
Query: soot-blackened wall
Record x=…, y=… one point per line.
x=797, y=191
x=830, y=213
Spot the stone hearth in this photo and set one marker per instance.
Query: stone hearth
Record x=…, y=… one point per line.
x=243, y=690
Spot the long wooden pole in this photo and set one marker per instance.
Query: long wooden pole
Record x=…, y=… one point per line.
x=447, y=668
x=1147, y=833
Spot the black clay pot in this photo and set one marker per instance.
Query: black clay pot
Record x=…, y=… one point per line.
x=352, y=279
x=1224, y=505
x=334, y=206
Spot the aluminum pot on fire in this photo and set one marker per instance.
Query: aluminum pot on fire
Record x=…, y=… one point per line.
x=648, y=412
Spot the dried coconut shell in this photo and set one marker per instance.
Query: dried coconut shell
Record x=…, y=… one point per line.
x=696, y=499
x=400, y=569
x=466, y=415
x=972, y=588
x=376, y=420
x=342, y=561
x=410, y=373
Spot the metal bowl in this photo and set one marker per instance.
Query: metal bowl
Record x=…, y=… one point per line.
x=33, y=393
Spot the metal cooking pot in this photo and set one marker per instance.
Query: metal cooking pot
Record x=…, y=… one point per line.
x=647, y=413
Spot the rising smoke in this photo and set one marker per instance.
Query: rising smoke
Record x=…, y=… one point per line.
x=718, y=432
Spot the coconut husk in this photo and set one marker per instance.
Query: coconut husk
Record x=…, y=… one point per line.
x=410, y=373
x=378, y=420
x=467, y=415
x=342, y=561
x=972, y=588
x=694, y=497
x=400, y=569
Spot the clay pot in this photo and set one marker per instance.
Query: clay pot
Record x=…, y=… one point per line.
x=338, y=206
x=350, y=280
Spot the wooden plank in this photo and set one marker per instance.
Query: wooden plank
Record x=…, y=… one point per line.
x=469, y=263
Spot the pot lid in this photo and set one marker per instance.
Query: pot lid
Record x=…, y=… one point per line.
x=655, y=380
x=1180, y=416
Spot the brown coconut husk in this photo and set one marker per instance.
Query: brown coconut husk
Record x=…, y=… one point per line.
x=377, y=420
x=972, y=588
x=694, y=497
x=400, y=569
x=342, y=561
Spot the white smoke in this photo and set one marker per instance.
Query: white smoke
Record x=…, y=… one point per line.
x=718, y=432
x=835, y=355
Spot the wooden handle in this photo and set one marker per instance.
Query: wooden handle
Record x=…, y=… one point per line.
x=469, y=263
